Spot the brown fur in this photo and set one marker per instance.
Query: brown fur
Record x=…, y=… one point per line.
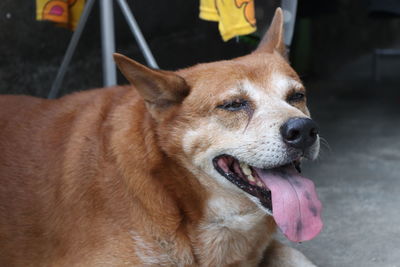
x=101, y=178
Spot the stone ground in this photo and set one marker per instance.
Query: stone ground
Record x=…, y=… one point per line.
x=358, y=172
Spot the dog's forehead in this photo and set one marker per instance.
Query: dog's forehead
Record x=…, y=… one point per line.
x=276, y=84
x=254, y=76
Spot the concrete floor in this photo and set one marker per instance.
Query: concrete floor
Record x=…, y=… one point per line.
x=358, y=172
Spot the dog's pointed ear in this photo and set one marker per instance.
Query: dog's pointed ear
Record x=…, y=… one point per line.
x=160, y=89
x=274, y=38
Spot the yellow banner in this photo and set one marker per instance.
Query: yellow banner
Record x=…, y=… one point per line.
x=65, y=13
x=235, y=17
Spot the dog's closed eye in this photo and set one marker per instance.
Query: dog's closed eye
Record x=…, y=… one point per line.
x=234, y=105
x=296, y=97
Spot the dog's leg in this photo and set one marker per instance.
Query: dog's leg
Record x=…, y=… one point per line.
x=279, y=255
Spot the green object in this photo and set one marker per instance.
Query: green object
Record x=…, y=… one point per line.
x=252, y=39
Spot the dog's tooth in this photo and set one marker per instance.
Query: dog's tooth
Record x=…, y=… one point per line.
x=251, y=178
x=259, y=183
x=245, y=168
x=247, y=171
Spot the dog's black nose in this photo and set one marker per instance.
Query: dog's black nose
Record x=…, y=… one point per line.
x=299, y=132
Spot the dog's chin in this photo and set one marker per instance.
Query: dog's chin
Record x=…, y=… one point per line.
x=247, y=178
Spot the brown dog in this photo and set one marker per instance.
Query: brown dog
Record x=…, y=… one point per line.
x=187, y=168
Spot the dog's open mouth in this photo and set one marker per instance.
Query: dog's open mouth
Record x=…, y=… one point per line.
x=245, y=177
x=288, y=196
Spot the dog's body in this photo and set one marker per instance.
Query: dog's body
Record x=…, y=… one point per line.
x=124, y=177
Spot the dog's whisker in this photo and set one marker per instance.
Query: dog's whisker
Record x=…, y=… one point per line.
x=325, y=143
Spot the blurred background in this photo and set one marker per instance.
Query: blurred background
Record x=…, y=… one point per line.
x=345, y=52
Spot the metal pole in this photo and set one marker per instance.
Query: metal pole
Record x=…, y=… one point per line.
x=108, y=42
x=55, y=87
x=289, y=17
x=375, y=65
x=137, y=34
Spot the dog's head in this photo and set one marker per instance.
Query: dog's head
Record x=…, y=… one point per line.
x=241, y=126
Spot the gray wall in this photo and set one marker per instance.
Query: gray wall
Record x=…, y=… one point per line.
x=350, y=33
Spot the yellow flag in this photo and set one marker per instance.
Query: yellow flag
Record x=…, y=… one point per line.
x=235, y=17
x=65, y=13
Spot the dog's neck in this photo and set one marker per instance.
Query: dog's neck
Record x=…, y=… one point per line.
x=232, y=229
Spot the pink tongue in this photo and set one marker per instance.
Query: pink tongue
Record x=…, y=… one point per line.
x=295, y=205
